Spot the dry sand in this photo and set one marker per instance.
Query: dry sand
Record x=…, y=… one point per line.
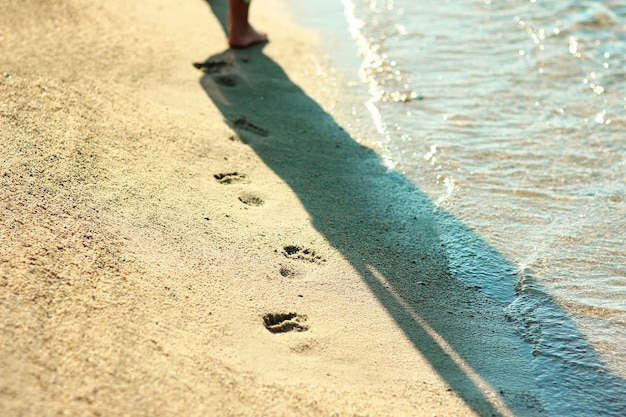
x=133, y=281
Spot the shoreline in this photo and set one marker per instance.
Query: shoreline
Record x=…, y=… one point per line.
x=155, y=215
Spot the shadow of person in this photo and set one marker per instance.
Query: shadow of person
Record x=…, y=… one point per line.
x=390, y=232
x=220, y=10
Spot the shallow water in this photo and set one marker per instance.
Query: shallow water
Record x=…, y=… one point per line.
x=510, y=116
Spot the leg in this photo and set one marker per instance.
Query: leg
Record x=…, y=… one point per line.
x=240, y=33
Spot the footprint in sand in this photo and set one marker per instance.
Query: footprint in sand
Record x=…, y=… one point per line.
x=287, y=272
x=214, y=65
x=297, y=252
x=284, y=322
x=217, y=67
x=229, y=178
x=245, y=124
x=226, y=80
x=251, y=200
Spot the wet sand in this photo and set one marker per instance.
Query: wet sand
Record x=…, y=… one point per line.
x=207, y=240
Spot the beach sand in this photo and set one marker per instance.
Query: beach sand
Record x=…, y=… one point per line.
x=210, y=242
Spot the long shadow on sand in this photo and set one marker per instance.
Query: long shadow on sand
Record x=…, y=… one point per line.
x=391, y=233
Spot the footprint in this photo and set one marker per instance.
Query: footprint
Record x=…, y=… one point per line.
x=284, y=322
x=217, y=68
x=305, y=347
x=229, y=178
x=251, y=200
x=297, y=252
x=287, y=272
x=213, y=65
x=226, y=80
x=244, y=123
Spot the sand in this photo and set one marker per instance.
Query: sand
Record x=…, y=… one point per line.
x=210, y=241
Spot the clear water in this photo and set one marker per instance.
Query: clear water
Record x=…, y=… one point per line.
x=511, y=116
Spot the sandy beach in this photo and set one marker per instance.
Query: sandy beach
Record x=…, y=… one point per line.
x=208, y=241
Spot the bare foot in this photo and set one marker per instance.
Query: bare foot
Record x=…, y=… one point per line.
x=245, y=37
x=240, y=33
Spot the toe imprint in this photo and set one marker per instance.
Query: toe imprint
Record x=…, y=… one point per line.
x=297, y=252
x=213, y=66
x=284, y=322
x=244, y=123
x=229, y=178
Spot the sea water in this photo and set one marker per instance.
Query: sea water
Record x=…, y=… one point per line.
x=511, y=116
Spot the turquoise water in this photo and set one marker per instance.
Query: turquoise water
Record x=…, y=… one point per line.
x=510, y=116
